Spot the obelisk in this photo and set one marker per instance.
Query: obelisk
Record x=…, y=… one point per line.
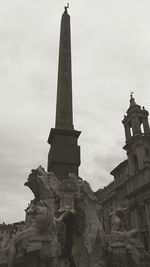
x=64, y=113
x=64, y=154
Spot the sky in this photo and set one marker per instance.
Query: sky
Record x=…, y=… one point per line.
x=110, y=58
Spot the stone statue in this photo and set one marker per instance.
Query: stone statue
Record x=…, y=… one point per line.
x=39, y=238
x=117, y=240
x=89, y=242
x=125, y=247
x=44, y=186
x=69, y=190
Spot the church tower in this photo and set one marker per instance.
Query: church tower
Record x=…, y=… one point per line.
x=137, y=133
x=64, y=154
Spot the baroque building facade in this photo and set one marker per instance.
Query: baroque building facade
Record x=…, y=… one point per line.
x=131, y=185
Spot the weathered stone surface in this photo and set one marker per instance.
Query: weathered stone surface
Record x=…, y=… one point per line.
x=125, y=248
x=39, y=237
x=63, y=228
x=62, y=225
x=89, y=243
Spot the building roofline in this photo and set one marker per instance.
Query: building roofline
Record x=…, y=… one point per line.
x=122, y=164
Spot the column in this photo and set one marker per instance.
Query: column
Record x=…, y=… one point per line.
x=146, y=125
x=130, y=162
x=127, y=131
x=140, y=156
x=136, y=125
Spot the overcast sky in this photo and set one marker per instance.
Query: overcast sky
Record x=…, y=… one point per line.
x=110, y=56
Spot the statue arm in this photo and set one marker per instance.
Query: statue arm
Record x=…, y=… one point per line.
x=133, y=233
x=62, y=216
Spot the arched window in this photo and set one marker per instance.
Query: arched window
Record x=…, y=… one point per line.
x=142, y=128
x=131, y=131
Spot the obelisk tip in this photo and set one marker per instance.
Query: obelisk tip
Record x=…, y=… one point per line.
x=66, y=7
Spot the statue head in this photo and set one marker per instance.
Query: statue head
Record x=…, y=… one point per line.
x=41, y=215
x=118, y=219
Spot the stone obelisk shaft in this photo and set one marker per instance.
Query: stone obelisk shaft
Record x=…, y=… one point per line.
x=64, y=154
x=64, y=114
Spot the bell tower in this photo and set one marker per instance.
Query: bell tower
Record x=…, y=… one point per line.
x=137, y=134
x=64, y=154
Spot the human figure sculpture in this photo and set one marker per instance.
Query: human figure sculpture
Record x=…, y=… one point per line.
x=39, y=238
x=125, y=247
x=118, y=239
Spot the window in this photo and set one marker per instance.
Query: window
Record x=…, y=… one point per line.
x=131, y=131
x=142, y=128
